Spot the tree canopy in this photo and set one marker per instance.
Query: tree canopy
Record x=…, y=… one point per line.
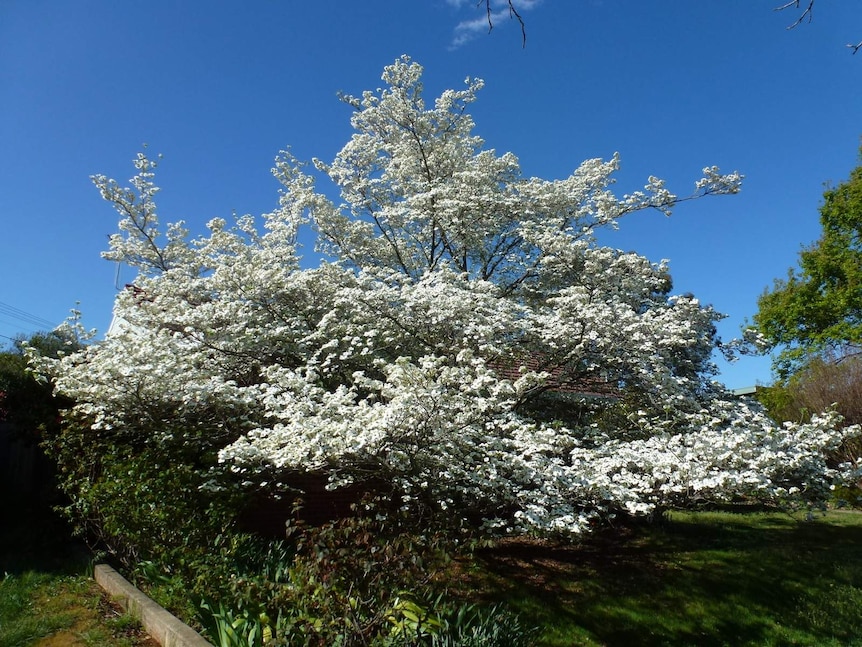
x=445, y=353
x=818, y=307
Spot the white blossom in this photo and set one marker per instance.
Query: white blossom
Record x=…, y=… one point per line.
x=449, y=342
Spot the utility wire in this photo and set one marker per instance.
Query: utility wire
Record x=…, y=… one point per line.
x=22, y=315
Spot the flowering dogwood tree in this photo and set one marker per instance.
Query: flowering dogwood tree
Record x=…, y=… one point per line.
x=440, y=351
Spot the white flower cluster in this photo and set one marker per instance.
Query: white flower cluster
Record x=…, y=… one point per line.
x=468, y=342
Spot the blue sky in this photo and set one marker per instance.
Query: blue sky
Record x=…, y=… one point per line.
x=220, y=87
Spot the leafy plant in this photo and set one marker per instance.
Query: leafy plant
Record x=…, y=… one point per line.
x=473, y=626
x=229, y=628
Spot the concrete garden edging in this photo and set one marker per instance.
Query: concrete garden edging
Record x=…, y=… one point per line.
x=165, y=628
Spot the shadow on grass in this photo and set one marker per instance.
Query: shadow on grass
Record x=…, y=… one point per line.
x=704, y=579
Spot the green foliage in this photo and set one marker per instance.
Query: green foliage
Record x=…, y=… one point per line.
x=819, y=306
x=347, y=579
x=412, y=621
x=473, y=626
x=138, y=500
x=848, y=496
x=25, y=402
x=49, y=344
x=781, y=404
x=365, y=580
x=228, y=628
x=431, y=623
x=169, y=588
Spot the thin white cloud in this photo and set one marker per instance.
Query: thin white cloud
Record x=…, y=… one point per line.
x=467, y=30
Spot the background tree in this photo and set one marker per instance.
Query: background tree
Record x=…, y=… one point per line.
x=821, y=383
x=26, y=403
x=817, y=309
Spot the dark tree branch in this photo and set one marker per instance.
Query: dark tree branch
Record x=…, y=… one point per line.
x=848, y=354
x=513, y=13
x=795, y=4
x=809, y=13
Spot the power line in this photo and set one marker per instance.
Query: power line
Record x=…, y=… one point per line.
x=22, y=315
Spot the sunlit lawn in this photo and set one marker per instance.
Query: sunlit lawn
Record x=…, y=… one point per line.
x=700, y=579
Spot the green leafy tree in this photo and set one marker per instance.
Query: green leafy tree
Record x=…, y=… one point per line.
x=26, y=403
x=817, y=309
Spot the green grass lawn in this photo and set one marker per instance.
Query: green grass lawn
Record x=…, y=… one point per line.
x=47, y=597
x=703, y=579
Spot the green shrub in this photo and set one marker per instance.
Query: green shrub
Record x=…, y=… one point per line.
x=347, y=578
x=138, y=500
x=366, y=579
x=848, y=496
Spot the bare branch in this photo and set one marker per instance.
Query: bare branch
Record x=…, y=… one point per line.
x=795, y=4
x=809, y=12
x=513, y=13
x=488, y=9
